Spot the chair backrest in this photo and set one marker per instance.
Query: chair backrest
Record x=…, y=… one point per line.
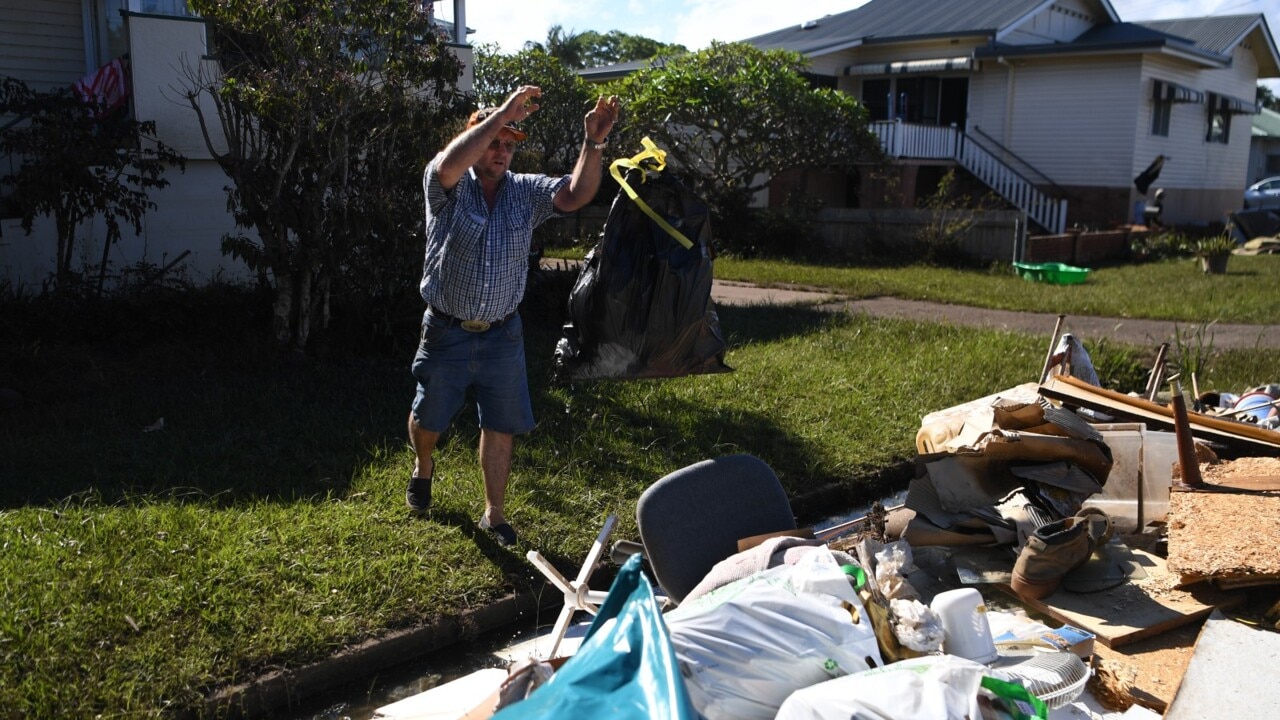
x=694, y=517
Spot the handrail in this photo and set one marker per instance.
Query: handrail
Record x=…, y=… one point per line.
x=14, y=121
x=1048, y=212
x=902, y=140
x=1045, y=180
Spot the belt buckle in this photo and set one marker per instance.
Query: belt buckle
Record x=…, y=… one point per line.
x=475, y=326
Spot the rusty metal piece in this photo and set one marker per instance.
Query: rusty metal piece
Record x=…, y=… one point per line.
x=1191, y=478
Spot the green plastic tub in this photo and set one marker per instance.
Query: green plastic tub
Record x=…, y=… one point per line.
x=1056, y=273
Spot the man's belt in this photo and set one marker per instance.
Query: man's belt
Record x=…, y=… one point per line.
x=475, y=326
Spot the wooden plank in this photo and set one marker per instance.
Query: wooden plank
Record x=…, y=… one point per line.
x=1257, y=484
x=1135, y=610
x=1071, y=391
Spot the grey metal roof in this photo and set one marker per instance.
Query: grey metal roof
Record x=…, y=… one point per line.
x=1267, y=124
x=898, y=20
x=1217, y=35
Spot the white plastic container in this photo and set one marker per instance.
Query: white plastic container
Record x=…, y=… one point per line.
x=964, y=620
x=1143, y=460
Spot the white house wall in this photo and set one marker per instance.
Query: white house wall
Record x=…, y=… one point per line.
x=190, y=215
x=42, y=43
x=166, y=52
x=1192, y=162
x=1074, y=122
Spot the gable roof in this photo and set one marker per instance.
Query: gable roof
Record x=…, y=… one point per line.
x=1217, y=35
x=901, y=20
x=1209, y=40
x=1221, y=35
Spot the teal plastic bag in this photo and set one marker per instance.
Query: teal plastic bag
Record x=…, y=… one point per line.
x=625, y=669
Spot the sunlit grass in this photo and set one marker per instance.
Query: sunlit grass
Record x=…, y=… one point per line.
x=1172, y=289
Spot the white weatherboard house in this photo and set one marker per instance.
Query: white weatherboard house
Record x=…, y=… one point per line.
x=1056, y=104
x=54, y=43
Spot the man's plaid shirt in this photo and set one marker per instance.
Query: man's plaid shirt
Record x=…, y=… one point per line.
x=477, y=260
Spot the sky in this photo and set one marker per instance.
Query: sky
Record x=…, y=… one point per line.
x=695, y=23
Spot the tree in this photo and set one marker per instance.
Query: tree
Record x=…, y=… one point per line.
x=325, y=114
x=617, y=47
x=563, y=46
x=733, y=116
x=78, y=162
x=1268, y=99
x=555, y=131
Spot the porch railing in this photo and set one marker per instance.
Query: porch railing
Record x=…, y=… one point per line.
x=931, y=142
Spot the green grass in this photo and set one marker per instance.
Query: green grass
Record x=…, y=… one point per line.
x=264, y=526
x=1172, y=289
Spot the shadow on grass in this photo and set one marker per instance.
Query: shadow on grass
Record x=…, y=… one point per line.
x=184, y=398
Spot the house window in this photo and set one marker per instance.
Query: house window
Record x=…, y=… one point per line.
x=1219, y=120
x=1161, y=111
x=1273, y=164
x=875, y=96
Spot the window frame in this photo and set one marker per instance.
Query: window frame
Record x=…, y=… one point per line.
x=1218, y=120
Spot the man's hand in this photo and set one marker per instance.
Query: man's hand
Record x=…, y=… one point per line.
x=520, y=105
x=600, y=119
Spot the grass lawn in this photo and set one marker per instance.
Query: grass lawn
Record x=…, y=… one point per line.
x=263, y=526
x=1173, y=289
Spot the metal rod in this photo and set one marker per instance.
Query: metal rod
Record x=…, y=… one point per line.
x=1053, y=341
x=1157, y=369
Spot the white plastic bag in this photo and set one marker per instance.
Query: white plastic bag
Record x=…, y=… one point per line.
x=935, y=687
x=745, y=647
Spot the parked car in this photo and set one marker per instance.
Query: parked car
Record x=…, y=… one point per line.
x=1263, y=194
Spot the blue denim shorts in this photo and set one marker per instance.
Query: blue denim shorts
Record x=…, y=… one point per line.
x=450, y=361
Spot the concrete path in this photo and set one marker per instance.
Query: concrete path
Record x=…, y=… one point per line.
x=1130, y=331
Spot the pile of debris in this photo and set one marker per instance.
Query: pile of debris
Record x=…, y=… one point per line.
x=1063, y=551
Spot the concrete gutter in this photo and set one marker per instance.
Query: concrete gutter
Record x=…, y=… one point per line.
x=279, y=690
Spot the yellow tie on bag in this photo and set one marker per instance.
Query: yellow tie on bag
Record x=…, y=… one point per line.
x=650, y=152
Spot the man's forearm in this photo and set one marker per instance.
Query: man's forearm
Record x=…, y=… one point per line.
x=585, y=180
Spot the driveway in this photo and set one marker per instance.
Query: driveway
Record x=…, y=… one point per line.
x=1130, y=331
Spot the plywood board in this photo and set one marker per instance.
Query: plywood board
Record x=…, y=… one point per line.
x=1135, y=610
x=1224, y=534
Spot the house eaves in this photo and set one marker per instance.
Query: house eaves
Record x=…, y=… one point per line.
x=1112, y=39
x=618, y=70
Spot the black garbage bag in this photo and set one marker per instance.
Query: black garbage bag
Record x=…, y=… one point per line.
x=641, y=307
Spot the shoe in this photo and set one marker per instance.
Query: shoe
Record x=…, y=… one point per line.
x=1056, y=549
x=503, y=532
x=418, y=496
